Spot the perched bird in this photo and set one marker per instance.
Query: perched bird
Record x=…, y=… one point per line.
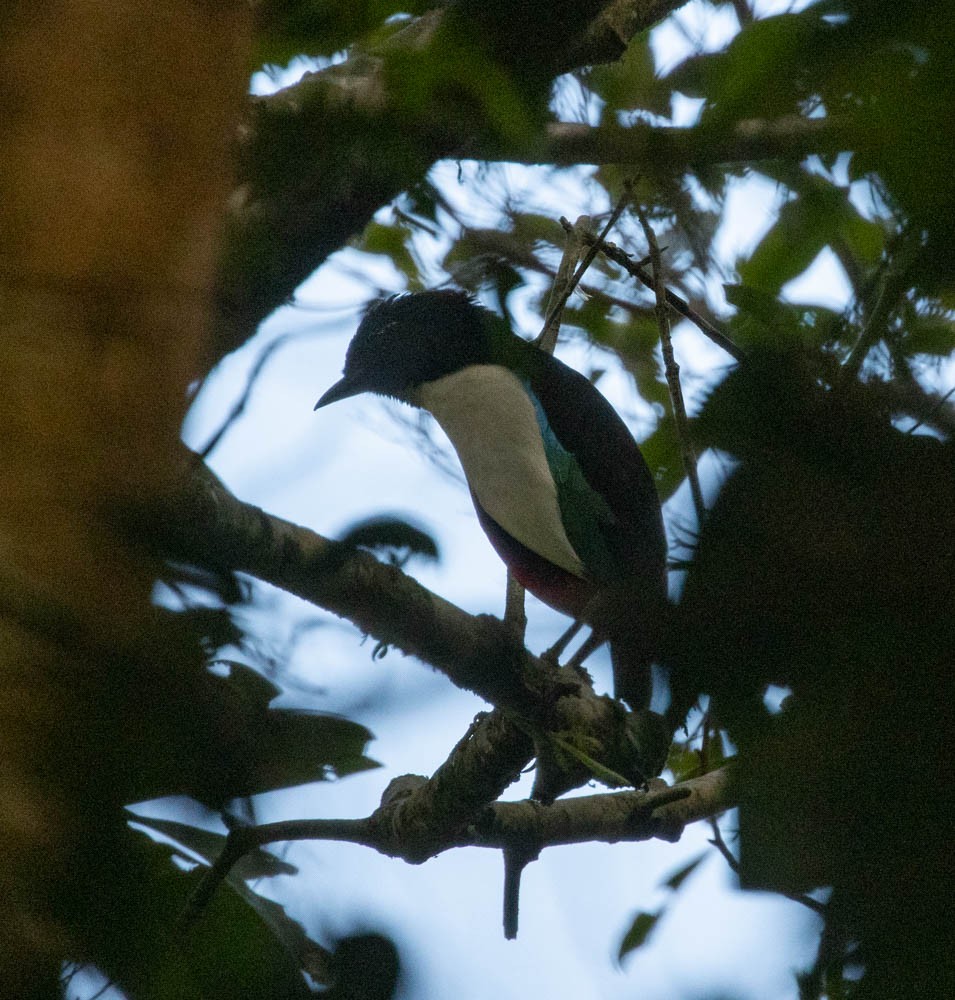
x=558, y=482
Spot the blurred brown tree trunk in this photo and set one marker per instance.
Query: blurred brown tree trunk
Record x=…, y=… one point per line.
x=115, y=163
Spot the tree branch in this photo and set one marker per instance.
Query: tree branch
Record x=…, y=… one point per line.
x=658, y=813
x=687, y=451
x=669, y=148
x=678, y=304
x=203, y=523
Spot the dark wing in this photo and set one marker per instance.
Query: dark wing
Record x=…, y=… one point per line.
x=607, y=480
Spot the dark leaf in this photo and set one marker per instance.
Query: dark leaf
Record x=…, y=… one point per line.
x=289, y=28
x=208, y=845
x=129, y=919
x=677, y=879
x=394, y=533
x=636, y=936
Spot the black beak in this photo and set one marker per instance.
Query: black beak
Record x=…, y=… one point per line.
x=350, y=385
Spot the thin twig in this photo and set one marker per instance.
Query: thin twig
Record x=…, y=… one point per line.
x=675, y=302
x=564, y=281
x=673, y=370
x=893, y=288
x=239, y=407
x=562, y=286
x=560, y=295
x=516, y=859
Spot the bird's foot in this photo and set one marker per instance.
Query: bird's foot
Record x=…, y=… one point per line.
x=555, y=652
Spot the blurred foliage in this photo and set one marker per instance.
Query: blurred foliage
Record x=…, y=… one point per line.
x=396, y=536
x=644, y=923
x=825, y=567
x=171, y=726
x=291, y=28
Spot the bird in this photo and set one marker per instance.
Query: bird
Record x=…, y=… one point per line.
x=558, y=482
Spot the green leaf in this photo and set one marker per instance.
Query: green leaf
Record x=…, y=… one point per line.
x=662, y=453
x=677, y=879
x=683, y=762
x=636, y=936
x=933, y=337
x=761, y=318
x=759, y=74
x=631, y=82
x=529, y=228
x=821, y=215
x=715, y=755
x=391, y=242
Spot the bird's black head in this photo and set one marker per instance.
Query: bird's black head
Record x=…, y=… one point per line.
x=407, y=340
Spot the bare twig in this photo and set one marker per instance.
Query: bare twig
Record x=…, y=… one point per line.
x=676, y=302
x=673, y=370
x=242, y=402
x=720, y=844
x=660, y=813
x=518, y=857
x=564, y=285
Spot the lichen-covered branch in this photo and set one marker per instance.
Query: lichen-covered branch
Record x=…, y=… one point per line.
x=661, y=812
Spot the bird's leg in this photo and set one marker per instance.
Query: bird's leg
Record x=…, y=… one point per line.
x=592, y=642
x=553, y=654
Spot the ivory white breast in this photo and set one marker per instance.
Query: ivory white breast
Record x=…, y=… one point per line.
x=487, y=415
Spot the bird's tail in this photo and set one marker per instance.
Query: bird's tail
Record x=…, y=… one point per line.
x=632, y=653
x=634, y=648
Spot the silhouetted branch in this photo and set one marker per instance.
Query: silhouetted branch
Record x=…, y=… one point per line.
x=672, y=369
x=311, y=169
x=676, y=302
x=659, y=813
